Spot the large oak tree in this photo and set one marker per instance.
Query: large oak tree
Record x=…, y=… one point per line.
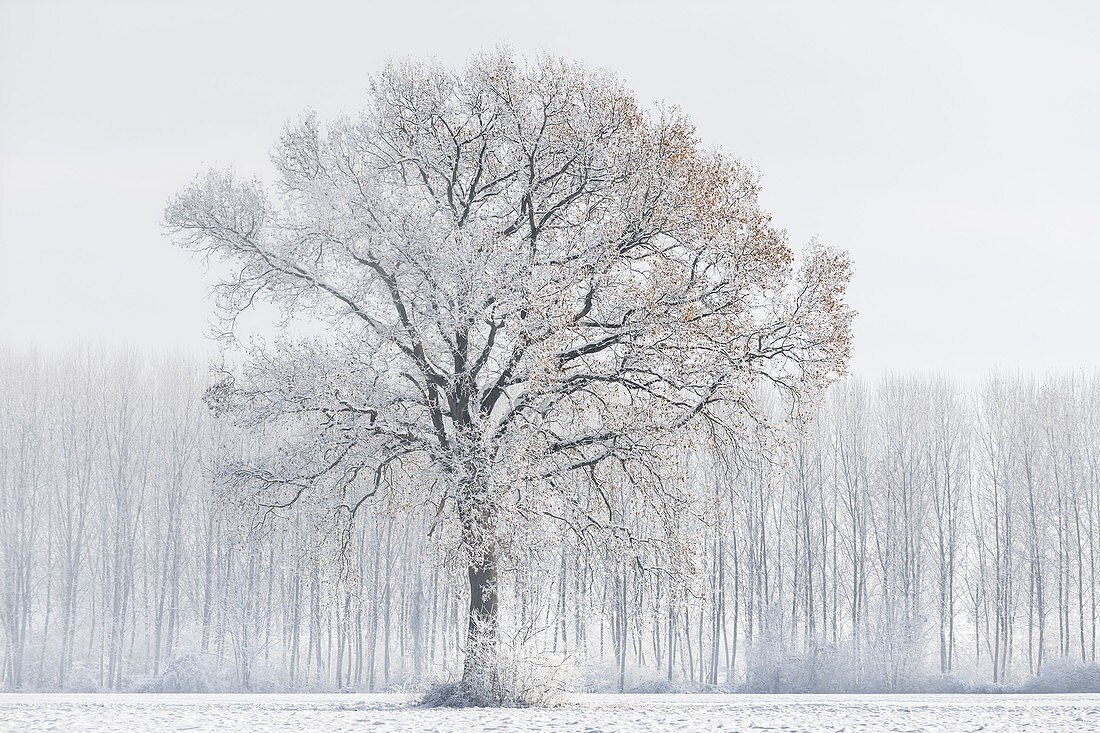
x=526, y=292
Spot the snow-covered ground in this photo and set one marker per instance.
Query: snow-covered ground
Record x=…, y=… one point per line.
x=588, y=714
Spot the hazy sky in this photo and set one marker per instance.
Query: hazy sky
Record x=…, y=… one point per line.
x=951, y=147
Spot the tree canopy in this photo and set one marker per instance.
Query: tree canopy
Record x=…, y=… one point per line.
x=530, y=291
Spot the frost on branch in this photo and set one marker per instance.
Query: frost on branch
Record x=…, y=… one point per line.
x=531, y=296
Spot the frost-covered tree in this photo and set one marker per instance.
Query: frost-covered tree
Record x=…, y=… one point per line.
x=525, y=293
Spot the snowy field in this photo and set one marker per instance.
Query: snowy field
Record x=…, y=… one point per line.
x=588, y=714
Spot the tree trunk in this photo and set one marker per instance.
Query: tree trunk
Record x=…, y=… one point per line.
x=483, y=618
x=481, y=683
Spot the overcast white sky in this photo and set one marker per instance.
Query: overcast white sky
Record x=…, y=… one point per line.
x=951, y=147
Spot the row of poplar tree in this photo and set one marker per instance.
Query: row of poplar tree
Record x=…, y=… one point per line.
x=919, y=528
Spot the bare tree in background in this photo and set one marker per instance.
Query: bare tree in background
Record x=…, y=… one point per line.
x=791, y=593
x=527, y=292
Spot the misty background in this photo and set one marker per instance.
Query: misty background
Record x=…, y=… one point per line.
x=951, y=148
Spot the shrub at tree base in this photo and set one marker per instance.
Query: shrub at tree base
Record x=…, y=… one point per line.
x=185, y=673
x=510, y=672
x=1063, y=675
x=81, y=680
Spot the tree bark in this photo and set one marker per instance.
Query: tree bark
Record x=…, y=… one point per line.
x=484, y=624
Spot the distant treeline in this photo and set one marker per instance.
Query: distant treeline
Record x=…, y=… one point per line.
x=922, y=531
